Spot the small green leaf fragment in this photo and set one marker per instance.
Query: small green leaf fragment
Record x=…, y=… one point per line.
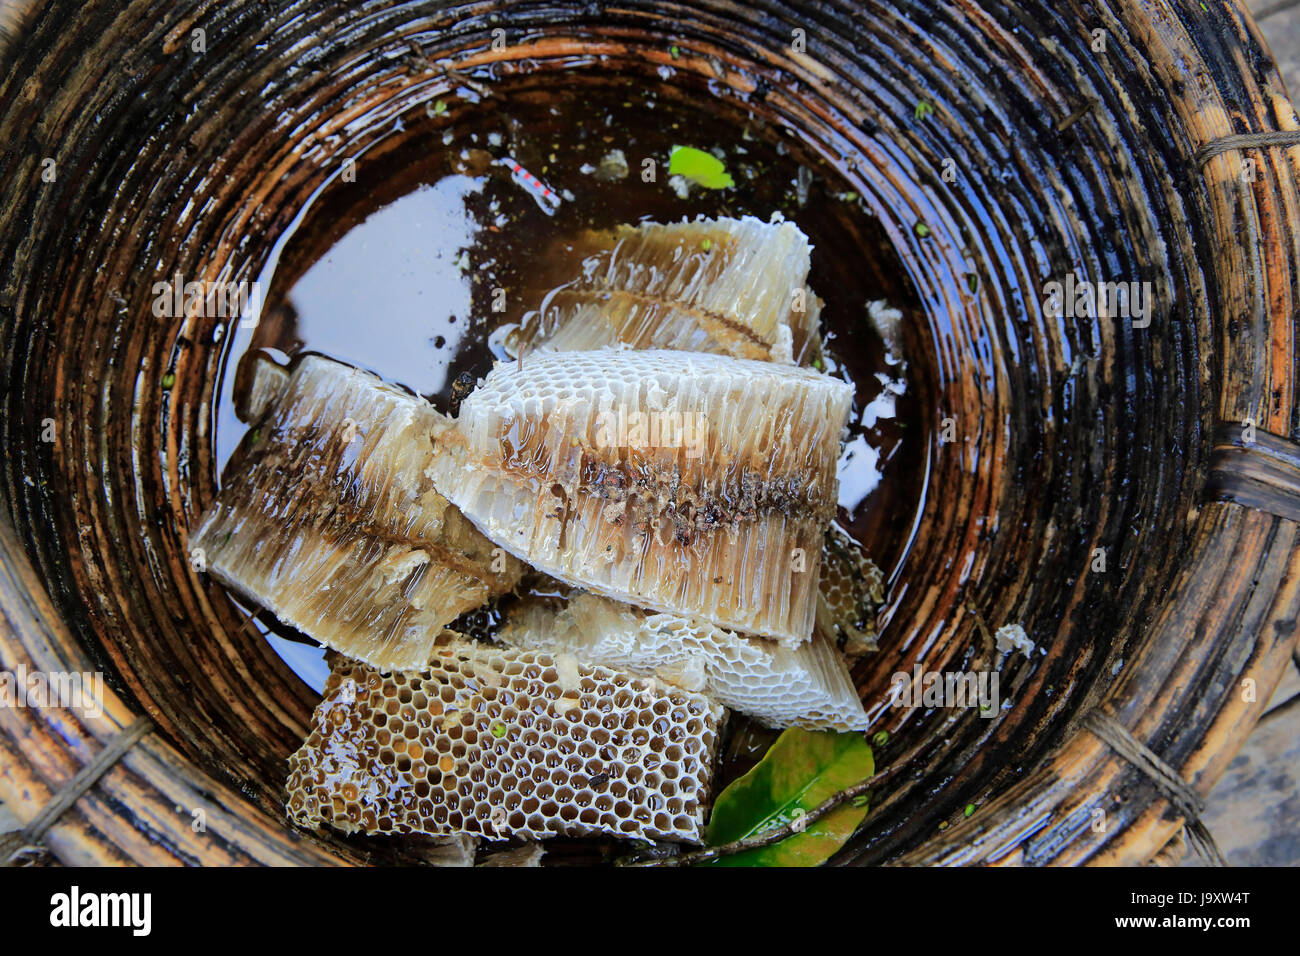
x=973, y=283
x=922, y=230
x=703, y=169
x=706, y=244
x=880, y=738
x=923, y=109
x=498, y=730
x=439, y=108
x=674, y=51
x=168, y=381
x=970, y=808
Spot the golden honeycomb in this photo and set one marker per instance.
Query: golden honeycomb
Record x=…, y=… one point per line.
x=327, y=519
x=852, y=590
x=504, y=743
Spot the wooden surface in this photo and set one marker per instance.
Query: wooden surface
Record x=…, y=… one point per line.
x=1254, y=811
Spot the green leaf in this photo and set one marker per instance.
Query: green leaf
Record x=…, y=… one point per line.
x=800, y=771
x=699, y=167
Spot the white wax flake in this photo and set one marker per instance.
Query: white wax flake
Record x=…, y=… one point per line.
x=1009, y=637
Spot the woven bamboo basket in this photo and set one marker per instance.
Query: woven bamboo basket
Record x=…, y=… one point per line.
x=1130, y=139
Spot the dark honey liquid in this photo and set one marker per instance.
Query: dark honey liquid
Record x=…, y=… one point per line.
x=406, y=263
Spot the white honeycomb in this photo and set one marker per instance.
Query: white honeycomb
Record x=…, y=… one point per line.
x=807, y=687
x=689, y=483
x=326, y=518
x=503, y=743
x=730, y=286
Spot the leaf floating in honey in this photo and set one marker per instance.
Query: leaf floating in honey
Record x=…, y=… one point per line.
x=327, y=519
x=798, y=773
x=703, y=169
x=807, y=687
x=688, y=483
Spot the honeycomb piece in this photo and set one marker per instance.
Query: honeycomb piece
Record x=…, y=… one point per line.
x=327, y=519
x=691, y=483
x=731, y=286
x=259, y=384
x=504, y=743
x=852, y=591
x=806, y=687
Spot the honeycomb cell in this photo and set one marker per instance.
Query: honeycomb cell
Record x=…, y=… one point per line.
x=675, y=529
x=455, y=776
x=335, y=494
x=808, y=686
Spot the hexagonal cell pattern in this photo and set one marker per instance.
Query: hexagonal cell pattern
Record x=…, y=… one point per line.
x=806, y=687
x=327, y=519
x=852, y=590
x=689, y=483
x=505, y=743
x=711, y=285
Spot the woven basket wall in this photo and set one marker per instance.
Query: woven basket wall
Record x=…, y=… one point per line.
x=1082, y=434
